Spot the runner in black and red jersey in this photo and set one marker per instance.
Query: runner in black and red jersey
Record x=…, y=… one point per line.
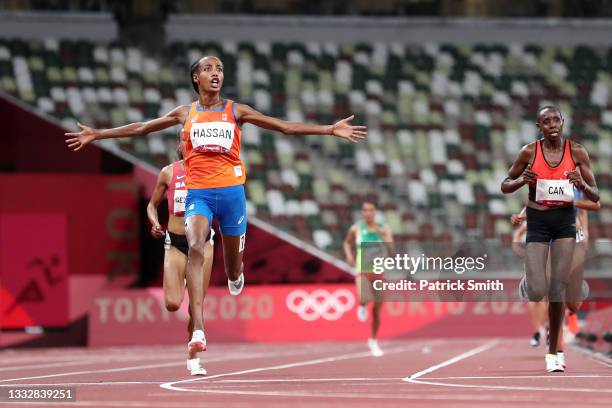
x=550, y=167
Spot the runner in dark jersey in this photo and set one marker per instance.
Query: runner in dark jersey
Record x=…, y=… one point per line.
x=549, y=167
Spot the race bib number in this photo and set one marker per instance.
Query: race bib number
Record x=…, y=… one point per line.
x=554, y=191
x=216, y=137
x=179, y=201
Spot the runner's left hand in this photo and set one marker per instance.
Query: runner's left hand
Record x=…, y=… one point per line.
x=576, y=179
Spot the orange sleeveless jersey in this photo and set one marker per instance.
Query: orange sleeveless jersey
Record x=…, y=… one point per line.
x=212, y=147
x=545, y=171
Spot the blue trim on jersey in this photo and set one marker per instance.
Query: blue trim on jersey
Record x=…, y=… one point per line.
x=219, y=109
x=234, y=115
x=188, y=114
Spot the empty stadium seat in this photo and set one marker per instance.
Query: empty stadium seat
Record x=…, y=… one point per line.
x=444, y=121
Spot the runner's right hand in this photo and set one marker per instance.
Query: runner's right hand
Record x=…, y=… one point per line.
x=529, y=177
x=345, y=130
x=76, y=141
x=157, y=231
x=517, y=219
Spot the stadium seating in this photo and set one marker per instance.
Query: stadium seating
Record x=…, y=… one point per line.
x=444, y=122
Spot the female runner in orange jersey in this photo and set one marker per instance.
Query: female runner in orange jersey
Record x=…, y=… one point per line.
x=171, y=181
x=215, y=172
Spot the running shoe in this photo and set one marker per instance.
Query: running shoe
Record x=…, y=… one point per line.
x=235, y=287
x=198, y=342
x=561, y=359
x=375, y=349
x=552, y=364
x=535, y=339
x=362, y=313
x=194, y=367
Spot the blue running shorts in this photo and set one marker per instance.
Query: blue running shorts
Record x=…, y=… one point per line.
x=226, y=204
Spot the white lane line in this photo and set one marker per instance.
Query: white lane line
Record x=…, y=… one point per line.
x=414, y=378
x=601, y=359
x=453, y=360
x=36, y=366
x=516, y=388
x=172, y=385
x=273, y=380
x=143, y=367
x=106, y=383
x=520, y=377
x=89, y=360
x=74, y=384
x=367, y=395
x=110, y=370
x=15, y=359
x=86, y=360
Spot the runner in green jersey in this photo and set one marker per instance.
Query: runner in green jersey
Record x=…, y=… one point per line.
x=360, y=244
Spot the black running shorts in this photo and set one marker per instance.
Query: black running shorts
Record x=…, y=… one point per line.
x=547, y=226
x=180, y=241
x=177, y=241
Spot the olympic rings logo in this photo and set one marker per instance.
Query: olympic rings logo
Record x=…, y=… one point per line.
x=320, y=303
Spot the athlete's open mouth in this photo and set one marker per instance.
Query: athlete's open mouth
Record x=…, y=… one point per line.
x=214, y=82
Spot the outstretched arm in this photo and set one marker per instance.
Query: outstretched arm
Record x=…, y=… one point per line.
x=342, y=129
x=78, y=140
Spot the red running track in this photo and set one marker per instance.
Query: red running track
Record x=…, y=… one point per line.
x=419, y=373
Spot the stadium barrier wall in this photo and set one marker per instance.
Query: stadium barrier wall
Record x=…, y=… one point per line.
x=56, y=226
x=291, y=313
